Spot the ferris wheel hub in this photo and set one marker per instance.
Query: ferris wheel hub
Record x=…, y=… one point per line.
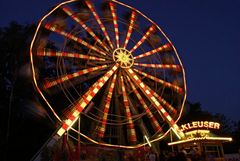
x=90, y=41
x=123, y=57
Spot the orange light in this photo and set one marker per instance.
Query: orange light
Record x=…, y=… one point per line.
x=200, y=124
x=197, y=131
x=200, y=138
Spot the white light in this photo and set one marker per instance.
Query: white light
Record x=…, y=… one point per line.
x=72, y=123
x=147, y=140
x=147, y=91
x=95, y=90
x=100, y=84
x=89, y=97
x=105, y=78
x=179, y=137
x=83, y=105
x=68, y=122
x=201, y=138
x=135, y=77
x=142, y=85
x=162, y=110
x=75, y=74
x=75, y=113
x=61, y=131
x=169, y=118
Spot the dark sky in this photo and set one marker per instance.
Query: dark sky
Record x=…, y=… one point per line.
x=206, y=34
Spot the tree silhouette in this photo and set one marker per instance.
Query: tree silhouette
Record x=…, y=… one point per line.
x=23, y=122
x=194, y=112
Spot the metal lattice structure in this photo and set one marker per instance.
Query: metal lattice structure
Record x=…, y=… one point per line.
x=111, y=65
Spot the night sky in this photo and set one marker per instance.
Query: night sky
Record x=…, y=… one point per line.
x=206, y=34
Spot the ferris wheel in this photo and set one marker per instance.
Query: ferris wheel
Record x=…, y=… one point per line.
x=111, y=66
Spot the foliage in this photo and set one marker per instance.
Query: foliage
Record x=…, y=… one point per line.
x=194, y=112
x=19, y=106
x=21, y=133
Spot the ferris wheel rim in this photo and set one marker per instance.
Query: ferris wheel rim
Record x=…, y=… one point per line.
x=33, y=66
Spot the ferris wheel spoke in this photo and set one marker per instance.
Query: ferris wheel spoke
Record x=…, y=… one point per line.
x=163, y=48
x=167, y=84
x=147, y=34
x=102, y=127
x=169, y=107
x=90, y=6
x=89, y=30
x=160, y=66
x=67, y=77
x=85, y=100
x=52, y=53
x=132, y=133
x=130, y=29
x=54, y=28
x=115, y=24
x=149, y=93
x=112, y=66
x=153, y=120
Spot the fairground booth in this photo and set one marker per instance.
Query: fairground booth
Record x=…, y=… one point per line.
x=201, y=138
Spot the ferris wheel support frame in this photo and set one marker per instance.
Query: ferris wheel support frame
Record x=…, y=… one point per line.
x=155, y=99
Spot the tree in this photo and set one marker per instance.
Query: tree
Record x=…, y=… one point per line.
x=194, y=112
x=21, y=133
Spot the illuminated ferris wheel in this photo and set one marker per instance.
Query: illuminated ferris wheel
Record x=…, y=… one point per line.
x=111, y=66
